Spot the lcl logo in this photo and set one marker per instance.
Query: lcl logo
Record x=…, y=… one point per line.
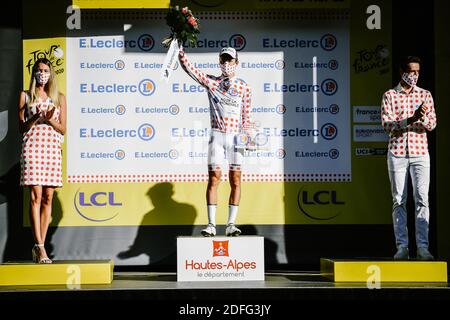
x=319, y=205
x=96, y=200
x=89, y=205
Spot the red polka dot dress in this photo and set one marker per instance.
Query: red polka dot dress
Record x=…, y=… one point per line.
x=41, y=159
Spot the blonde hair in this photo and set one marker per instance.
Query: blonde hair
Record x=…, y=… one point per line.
x=51, y=87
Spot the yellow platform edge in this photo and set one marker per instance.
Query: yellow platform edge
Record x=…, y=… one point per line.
x=67, y=273
x=384, y=271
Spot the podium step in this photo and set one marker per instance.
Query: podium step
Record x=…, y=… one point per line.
x=220, y=258
x=383, y=271
x=69, y=273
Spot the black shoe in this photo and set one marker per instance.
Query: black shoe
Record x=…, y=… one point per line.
x=424, y=254
x=402, y=254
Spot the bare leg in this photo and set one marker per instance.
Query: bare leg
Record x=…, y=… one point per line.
x=235, y=184
x=46, y=210
x=35, y=213
x=213, y=185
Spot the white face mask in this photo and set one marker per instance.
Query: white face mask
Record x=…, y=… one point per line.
x=42, y=77
x=410, y=78
x=227, y=69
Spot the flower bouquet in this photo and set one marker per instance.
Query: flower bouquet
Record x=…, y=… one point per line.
x=184, y=27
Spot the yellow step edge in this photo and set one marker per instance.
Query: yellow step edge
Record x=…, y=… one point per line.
x=384, y=271
x=69, y=273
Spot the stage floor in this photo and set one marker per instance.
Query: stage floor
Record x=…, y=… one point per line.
x=286, y=286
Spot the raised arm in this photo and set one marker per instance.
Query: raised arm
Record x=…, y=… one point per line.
x=193, y=72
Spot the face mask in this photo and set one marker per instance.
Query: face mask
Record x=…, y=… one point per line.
x=410, y=78
x=227, y=69
x=42, y=77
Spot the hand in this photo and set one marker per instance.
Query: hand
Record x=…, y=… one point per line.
x=420, y=113
x=181, y=49
x=396, y=133
x=423, y=113
x=40, y=114
x=50, y=112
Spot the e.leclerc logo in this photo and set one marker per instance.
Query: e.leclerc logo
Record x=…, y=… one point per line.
x=120, y=109
x=119, y=65
x=238, y=42
x=145, y=87
x=144, y=42
x=329, y=87
x=119, y=154
x=329, y=131
x=145, y=132
x=327, y=42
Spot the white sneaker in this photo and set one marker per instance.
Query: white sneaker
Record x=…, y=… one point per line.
x=209, y=231
x=232, y=230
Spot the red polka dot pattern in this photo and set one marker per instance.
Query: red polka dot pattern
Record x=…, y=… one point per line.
x=41, y=160
x=229, y=100
x=397, y=106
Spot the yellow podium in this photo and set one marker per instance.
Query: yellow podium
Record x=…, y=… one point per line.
x=384, y=271
x=67, y=273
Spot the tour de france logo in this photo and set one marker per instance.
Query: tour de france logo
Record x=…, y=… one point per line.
x=220, y=248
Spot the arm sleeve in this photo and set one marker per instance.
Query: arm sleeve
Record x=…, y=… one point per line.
x=430, y=121
x=388, y=117
x=246, y=109
x=193, y=72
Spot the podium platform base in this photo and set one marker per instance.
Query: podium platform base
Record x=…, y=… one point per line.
x=220, y=259
x=57, y=273
x=383, y=271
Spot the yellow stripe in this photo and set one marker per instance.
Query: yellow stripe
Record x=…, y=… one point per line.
x=122, y=4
